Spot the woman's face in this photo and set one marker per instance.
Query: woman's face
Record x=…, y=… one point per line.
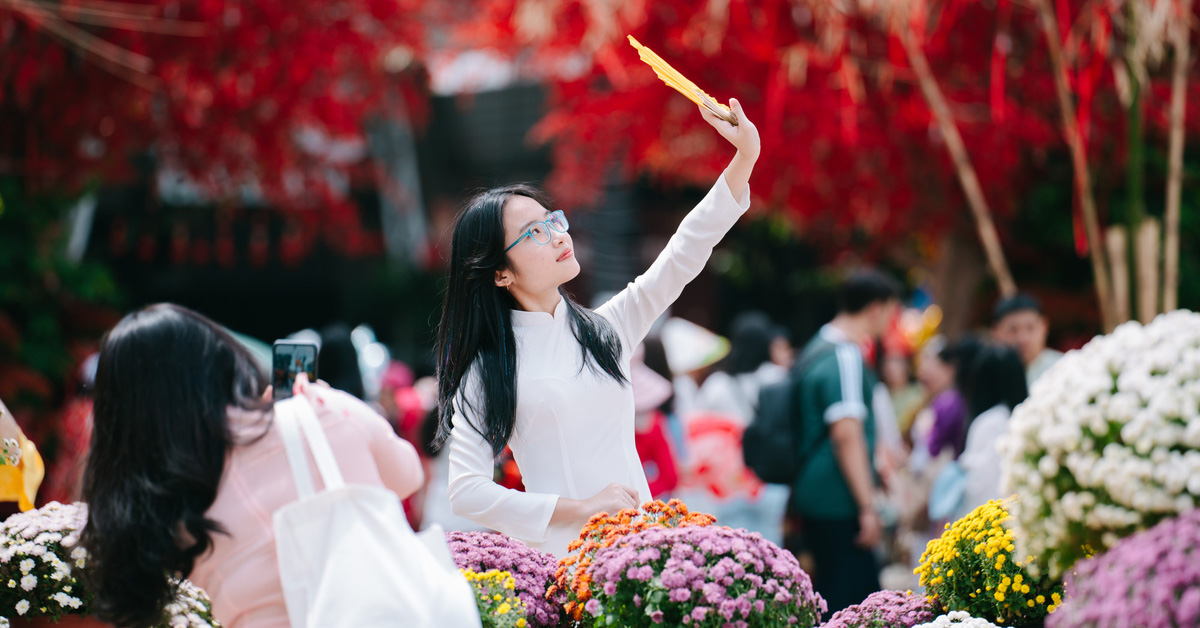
x=895, y=370
x=935, y=375
x=535, y=268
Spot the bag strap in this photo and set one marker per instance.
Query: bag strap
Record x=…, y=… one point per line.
x=331, y=475
x=293, y=443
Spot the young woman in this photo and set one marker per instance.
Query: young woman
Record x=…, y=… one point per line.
x=522, y=365
x=730, y=396
x=997, y=386
x=186, y=469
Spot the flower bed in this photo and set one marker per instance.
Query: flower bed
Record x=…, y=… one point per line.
x=885, y=609
x=972, y=567
x=496, y=598
x=1150, y=579
x=1108, y=442
x=532, y=571
x=40, y=562
x=700, y=576
x=574, y=575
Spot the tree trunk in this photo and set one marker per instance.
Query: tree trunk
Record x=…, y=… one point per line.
x=962, y=162
x=1146, y=256
x=1135, y=211
x=1179, y=38
x=957, y=273
x=1083, y=185
x=1117, y=243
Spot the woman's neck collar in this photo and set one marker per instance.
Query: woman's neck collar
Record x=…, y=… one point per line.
x=545, y=303
x=546, y=313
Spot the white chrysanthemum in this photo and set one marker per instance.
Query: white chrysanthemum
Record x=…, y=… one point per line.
x=22, y=607
x=959, y=619
x=66, y=601
x=29, y=582
x=1108, y=442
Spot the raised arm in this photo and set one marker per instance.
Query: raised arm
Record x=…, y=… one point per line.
x=634, y=309
x=744, y=137
x=395, y=459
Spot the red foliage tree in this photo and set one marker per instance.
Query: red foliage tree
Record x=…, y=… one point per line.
x=258, y=98
x=849, y=139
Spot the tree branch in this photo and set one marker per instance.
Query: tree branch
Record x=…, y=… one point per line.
x=962, y=161
x=1083, y=185
x=1179, y=37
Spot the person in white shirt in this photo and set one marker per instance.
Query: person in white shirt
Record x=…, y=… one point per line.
x=1020, y=323
x=726, y=403
x=522, y=365
x=997, y=386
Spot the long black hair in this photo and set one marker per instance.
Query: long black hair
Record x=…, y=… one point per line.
x=338, y=360
x=961, y=356
x=750, y=337
x=997, y=378
x=476, y=324
x=165, y=380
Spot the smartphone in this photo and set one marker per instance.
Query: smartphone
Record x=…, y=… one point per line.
x=289, y=358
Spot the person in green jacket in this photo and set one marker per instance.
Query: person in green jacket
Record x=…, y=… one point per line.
x=833, y=493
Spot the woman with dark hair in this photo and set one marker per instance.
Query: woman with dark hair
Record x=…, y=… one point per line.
x=186, y=467
x=338, y=360
x=946, y=373
x=522, y=365
x=996, y=386
x=724, y=406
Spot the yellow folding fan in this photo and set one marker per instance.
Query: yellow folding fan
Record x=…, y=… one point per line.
x=674, y=79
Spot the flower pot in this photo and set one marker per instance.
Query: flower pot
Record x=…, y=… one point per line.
x=67, y=621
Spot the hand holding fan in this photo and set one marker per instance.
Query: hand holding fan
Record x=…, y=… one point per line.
x=674, y=79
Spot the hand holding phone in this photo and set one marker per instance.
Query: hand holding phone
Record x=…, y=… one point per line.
x=289, y=358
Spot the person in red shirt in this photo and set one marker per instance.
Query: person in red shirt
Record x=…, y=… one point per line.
x=650, y=391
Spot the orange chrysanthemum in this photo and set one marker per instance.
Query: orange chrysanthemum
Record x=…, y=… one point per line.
x=605, y=530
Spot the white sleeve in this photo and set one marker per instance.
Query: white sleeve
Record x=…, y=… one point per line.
x=634, y=309
x=850, y=403
x=887, y=429
x=474, y=495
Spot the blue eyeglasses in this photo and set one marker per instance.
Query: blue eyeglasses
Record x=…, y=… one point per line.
x=540, y=231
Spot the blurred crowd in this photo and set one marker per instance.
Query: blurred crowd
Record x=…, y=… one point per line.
x=933, y=409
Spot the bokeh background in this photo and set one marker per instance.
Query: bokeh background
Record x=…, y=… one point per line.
x=289, y=165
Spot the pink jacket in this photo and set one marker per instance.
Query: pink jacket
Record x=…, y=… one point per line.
x=241, y=573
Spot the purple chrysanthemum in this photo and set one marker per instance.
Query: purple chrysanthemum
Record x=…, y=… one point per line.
x=894, y=609
x=736, y=577
x=1150, y=579
x=532, y=569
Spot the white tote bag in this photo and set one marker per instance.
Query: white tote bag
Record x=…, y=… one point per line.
x=347, y=556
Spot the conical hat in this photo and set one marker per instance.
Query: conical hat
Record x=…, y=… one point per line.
x=690, y=347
